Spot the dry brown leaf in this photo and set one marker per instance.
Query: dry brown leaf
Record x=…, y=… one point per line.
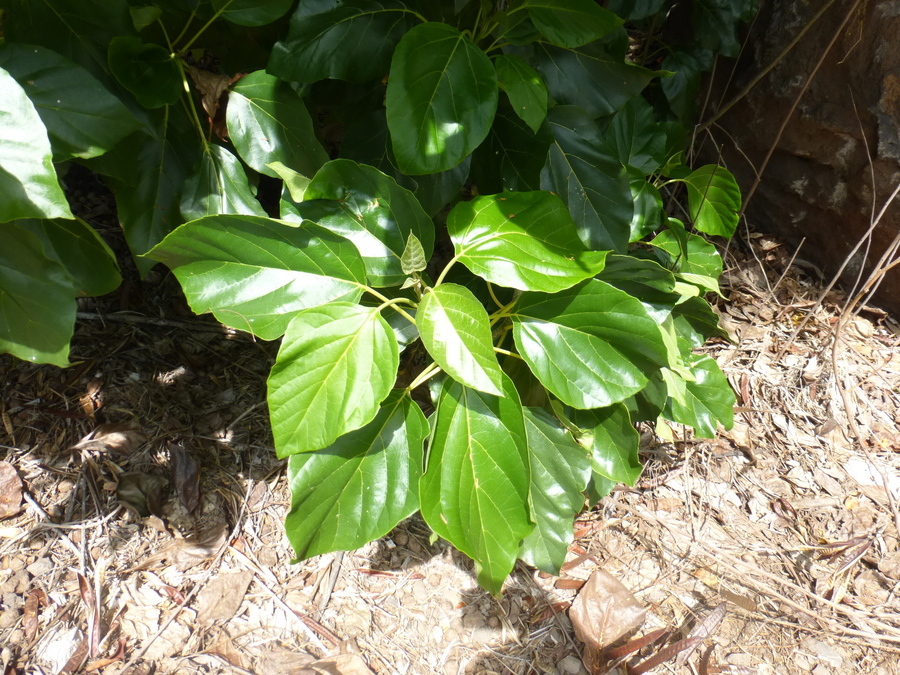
x=122, y=439
x=221, y=598
x=603, y=612
x=142, y=492
x=703, y=630
x=213, y=96
x=33, y=599
x=185, y=477
x=10, y=490
x=342, y=664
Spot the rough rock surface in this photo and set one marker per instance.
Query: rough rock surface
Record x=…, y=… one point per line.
x=818, y=184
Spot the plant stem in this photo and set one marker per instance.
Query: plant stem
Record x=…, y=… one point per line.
x=186, y=26
x=506, y=352
x=393, y=303
x=202, y=30
x=424, y=376
x=444, y=271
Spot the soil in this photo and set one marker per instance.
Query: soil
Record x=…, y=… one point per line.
x=142, y=508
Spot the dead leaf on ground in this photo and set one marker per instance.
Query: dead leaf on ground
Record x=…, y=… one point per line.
x=10, y=490
x=121, y=438
x=342, y=664
x=142, y=492
x=221, y=598
x=603, y=612
x=185, y=477
x=33, y=600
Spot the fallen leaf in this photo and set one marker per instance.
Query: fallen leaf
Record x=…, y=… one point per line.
x=33, y=600
x=10, y=490
x=142, y=492
x=122, y=438
x=185, y=477
x=211, y=87
x=222, y=596
x=342, y=664
x=603, y=612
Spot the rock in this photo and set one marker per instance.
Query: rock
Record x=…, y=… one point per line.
x=40, y=567
x=8, y=618
x=824, y=652
x=571, y=665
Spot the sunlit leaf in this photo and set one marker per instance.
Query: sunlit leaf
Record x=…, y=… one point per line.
x=218, y=185
x=525, y=88
x=612, y=441
x=708, y=401
x=715, y=200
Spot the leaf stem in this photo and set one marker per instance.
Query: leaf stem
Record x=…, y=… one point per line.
x=203, y=28
x=424, y=376
x=506, y=352
x=186, y=26
x=444, y=271
x=490, y=288
x=388, y=302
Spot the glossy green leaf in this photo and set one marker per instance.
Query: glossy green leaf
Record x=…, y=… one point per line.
x=255, y=274
x=268, y=122
x=474, y=492
x=649, y=211
x=37, y=305
x=571, y=23
x=252, y=12
x=695, y=322
x=456, y=331
x=441, y=98
x=636, y=137
x=82, y=118
x=336, y=364
x=295, y=183
x=587, y=344
x=612, y=441
x=351, y=40
x=682, y=87
x=218, y=185
x=146, y=70
x=413, y=258
x=522, y=240
x=512, y=155
x=708, y=401
x=594, y=186
x=28, y=184
x=80, y=250
x=714, y=199
x=525, y=88
x=560, y=470
x=594, y=77
x=358, y=488
x=371, y=210
x=646, y=280
x=702, y=265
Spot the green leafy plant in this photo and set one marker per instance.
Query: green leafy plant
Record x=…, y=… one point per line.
x=476, y=286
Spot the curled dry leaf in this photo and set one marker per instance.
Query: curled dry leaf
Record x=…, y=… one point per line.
x=342, y=664
x=185, y=477
x=10, y=490
x=142, y=492
x=603, y=612
x=214, y=97
x=33, y=600
x=221, y=598
x=120, y=438
x=703, y=630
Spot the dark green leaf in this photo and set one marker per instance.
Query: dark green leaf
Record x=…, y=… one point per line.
x=571, y=23
x=560, y=470
x=146, y=70
x=525, y=88
x=268, y=122
x=252, y=12
x=28, y=182
x=644, y=279
x=371, y=210
x=255, y=274
x=587, y=344
x=636, y=9
x=80, y=250
x=593, y=185
x=716, y=23
x=708, y=401
x=649, y=212
x=336, y=364
x=695, y=322
x=702, y=265
x=362, y=485
x=456, y=331
x=715, y=199
x=142, y=17
x=636, y=137
x=474, y=492
x=612, y=441
x=523, y=240
x=82, y=118
x=218, y=185
x=682, y=87
x=599, y=487
x=351, y=40
x=435, y=190
x=37, y=305
x=441, y=98
x=648, y=403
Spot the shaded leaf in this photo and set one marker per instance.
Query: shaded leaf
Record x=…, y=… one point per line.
x=362, y=485
x=218, y=186
x=525, y=88
x=119, y=438
x=708, y=401
x=252, y=12
x=649, y=212
x=637, y=138
x=716, y=23
x=146, y=70
x=141, y=492
x=682, y=86
x=185, y=477
x=612, y=441
x=701, y=260
x=635, y=9
x=715, y=200
x=571, y=23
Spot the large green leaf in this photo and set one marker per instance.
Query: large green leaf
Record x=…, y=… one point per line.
x=714, y=199
x=361, y=486
x=28, y=184
x=695, y=322
x=474, y=492
x=594, y=185
x=525, y=88
x=681, y=88
x=595, y=77
x=560, y=470
x=646, y=280
x=82, y=253
x=512, y=156
x=716, y=23
x=441, y=98
x=351, y=40
x=649, y=212
x=612, y=441
x=37, y=305
x=701, y=265
x=146, y=70
x=268, y=122
x=456, y=331
x=218, y=185
x=336, y=364
x=252, y=12
x=636, y=9
x=637, y=138
x=255, y=274
x=371, y=210
x=708, y=400
x=523, y=240
x=588, y=344
x=571, y=23
x=82, y=118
